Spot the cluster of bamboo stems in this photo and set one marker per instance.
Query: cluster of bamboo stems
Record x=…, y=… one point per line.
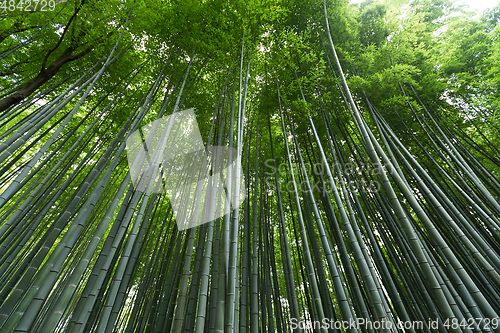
x=82, y=251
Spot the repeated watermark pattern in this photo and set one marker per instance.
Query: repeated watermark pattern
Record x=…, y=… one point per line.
x=202, y=183
x=206, y=183
x=416, y=325
x=361, y=323
x=356, y=184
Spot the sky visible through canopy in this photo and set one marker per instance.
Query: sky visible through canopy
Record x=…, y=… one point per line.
x=478, y=5
x=224, y=166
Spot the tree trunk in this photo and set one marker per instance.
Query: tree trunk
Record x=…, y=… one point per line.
x=45, y=75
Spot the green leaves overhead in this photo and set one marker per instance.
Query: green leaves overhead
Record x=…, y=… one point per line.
x=368, y=141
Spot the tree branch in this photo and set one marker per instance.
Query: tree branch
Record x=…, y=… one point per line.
x=63, y=34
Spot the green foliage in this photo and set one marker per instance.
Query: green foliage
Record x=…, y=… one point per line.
x=423, y=74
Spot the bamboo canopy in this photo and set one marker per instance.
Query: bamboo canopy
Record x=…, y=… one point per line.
x=339, y=214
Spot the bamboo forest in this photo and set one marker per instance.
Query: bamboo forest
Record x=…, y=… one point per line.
x=249, y=166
